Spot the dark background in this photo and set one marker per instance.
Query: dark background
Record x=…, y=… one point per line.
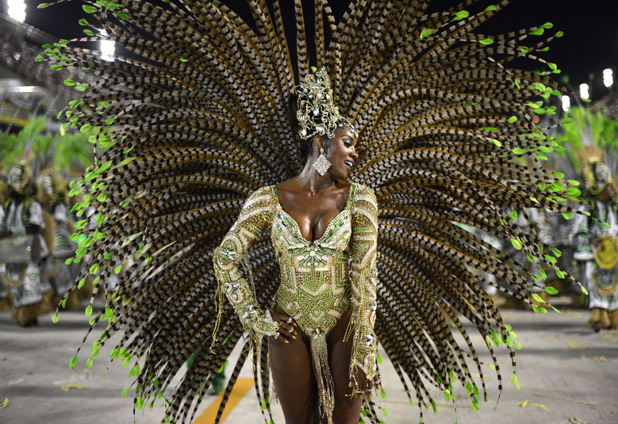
x=590, y=43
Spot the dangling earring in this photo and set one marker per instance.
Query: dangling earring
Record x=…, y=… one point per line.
x=322, y=164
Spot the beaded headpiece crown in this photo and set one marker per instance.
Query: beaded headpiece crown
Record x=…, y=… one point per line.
x=316, y=112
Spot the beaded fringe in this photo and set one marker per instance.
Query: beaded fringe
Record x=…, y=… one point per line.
x=326, y=384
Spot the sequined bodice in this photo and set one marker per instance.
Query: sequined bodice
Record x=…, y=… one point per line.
x=320, y=279
x=314, y=274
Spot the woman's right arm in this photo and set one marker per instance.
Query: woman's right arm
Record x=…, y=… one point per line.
x=256, y=216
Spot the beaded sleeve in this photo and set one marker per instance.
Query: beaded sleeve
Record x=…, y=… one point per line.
x=363, y=279
x=256, y=216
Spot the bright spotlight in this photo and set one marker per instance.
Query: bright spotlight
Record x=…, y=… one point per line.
x=17, y=10
x=608, y=77
x=566, y=103
x=584, y=91
x=108, y=48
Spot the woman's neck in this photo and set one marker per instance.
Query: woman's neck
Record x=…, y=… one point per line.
x=312, y=181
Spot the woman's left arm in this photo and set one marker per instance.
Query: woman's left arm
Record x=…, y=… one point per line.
x=363, y=279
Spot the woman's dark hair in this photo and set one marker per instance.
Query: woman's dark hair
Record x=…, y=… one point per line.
x=306, y=146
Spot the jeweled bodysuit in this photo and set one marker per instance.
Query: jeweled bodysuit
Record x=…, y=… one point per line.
x=320, y=279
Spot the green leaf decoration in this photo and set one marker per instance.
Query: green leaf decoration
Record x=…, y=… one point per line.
x=538, y=31
x=490, y=8
x=539, y=310
x=517, y=244
x=559, y=34
x=109, y=121
x=486, y=41
x=90, y=9
x=551, y=290
x=123, y=15
x=39, y=58
x=496, y=338
x=182, y=59
x=88, y=310
x=56, y=67
x=83, y=22
x=524, y=49
x=518, y=151
x=496, y=142
x=88, y=32
x=125, y=391
x=81, y=87
x=55, y=318
x=42, y=6
x=426, y=32
x=382, y=394
x=462, y=14
x=512, y=119
x=548, y=25
x=73, y=362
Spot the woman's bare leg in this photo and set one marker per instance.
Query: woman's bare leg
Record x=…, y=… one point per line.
x=347, y=409
x=292, y=372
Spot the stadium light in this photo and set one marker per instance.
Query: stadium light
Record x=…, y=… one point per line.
x=584, y=91
x=608, y=77
x=17, y=10
x=566, y=103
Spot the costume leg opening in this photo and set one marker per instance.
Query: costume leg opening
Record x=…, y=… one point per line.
x=347, y=408
x=292, y=372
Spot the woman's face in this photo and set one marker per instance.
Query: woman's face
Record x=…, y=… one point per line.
x=342, y=153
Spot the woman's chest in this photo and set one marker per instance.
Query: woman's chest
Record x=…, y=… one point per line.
x=293, y=248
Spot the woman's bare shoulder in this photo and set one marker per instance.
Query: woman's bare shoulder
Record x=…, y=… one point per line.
x=290, y=185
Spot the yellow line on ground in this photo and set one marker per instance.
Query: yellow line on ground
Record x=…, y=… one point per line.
x=242, y=386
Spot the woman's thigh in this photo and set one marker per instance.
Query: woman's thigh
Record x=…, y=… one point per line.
x=292, y=372
x=347, y=408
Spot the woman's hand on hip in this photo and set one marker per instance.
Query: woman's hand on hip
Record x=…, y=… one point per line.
x=288, y=329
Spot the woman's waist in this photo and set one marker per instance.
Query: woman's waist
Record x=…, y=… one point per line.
x=314, y=310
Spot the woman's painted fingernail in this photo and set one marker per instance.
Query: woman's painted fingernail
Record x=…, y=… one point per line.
x=294, y=337
x=287, y=341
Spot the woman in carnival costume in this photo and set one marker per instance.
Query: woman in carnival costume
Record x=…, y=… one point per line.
x=422, y=123
x=23, y=215
x=596, y=242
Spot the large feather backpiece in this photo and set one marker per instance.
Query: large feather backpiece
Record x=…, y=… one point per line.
x=197, y=102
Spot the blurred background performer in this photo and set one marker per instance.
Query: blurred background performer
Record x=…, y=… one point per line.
x=596, y=242
x=23, y=216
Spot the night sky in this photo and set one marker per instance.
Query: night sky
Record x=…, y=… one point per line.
x=590, y=43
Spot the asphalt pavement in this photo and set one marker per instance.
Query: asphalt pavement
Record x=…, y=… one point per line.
x=567, y=375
